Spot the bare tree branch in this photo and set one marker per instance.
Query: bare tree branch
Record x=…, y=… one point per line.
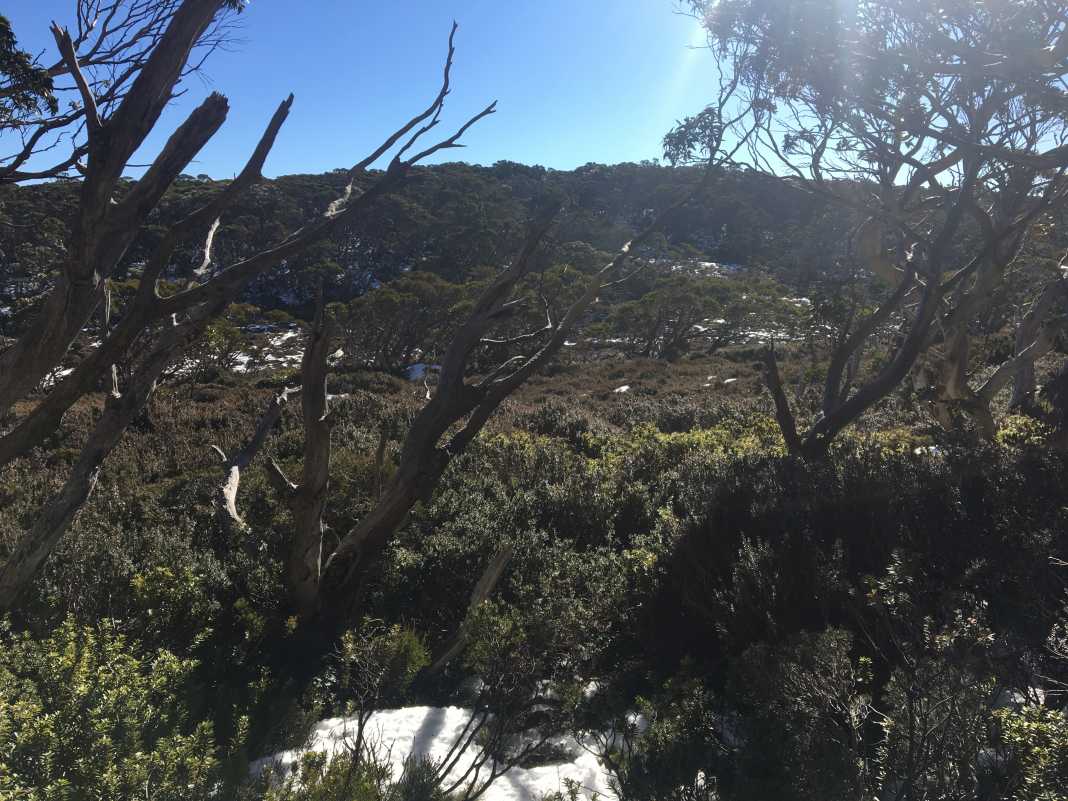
x=226, y=493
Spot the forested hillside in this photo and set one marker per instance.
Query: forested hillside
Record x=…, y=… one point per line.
x=452, y=220
x=739, y=477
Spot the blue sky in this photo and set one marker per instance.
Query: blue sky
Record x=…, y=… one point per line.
x=576, y=80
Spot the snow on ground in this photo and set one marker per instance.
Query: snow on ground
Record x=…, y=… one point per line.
x=427, y=731
x=241, y=362
x=622, y=389
x=50, y=381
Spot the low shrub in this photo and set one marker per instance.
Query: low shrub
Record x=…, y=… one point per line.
x=84, y=713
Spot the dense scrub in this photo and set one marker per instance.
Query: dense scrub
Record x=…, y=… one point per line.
x=887, y=619
x=743, y=477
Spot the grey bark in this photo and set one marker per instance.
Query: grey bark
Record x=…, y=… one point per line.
x=226, y=511
x=101, y=232
x=1033, y=340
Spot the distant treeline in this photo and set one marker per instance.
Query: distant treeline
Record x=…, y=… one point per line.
x=452, y=219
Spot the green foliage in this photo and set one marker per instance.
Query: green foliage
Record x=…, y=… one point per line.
x=939, y=715
x=454, y=221
x=753, y=608
x=318, y=778
x=412, y=315
x=174, y=606
x=1021, y=431
x=346, y=778
x=375, y=665
x=562, y=421
x=683, y=310
x=696, y=139
x=898, y=441
x=24, y=86
x=674, y=750
x=1037, y=740
x=85, y=714
x=806, y=705
x=219, y=346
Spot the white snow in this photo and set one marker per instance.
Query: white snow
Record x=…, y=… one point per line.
x=425, y=731
x=245, y=363
x=761, y=335
x=56, y=377
x=622, y=389
x=729, y=380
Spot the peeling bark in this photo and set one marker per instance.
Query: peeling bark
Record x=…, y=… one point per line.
x=1034, y=338
x=307, y=500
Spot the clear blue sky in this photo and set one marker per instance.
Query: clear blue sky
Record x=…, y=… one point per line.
x=576, y=80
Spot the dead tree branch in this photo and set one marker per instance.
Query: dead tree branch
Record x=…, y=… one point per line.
x=226, y=493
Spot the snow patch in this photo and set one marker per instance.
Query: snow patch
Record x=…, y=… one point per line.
x=278, y=340
x=622, y=389
x=426, y=731
x=53, y=379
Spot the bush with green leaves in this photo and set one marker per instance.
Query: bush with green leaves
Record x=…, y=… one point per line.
x=349, y=777
x=374, y=665
x=646, y=532
x=1036, y=737
x=802, y=730
x=409, y=317
x=682, y=311
x=673, y=747
x=937, y=714
x=86, y=714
